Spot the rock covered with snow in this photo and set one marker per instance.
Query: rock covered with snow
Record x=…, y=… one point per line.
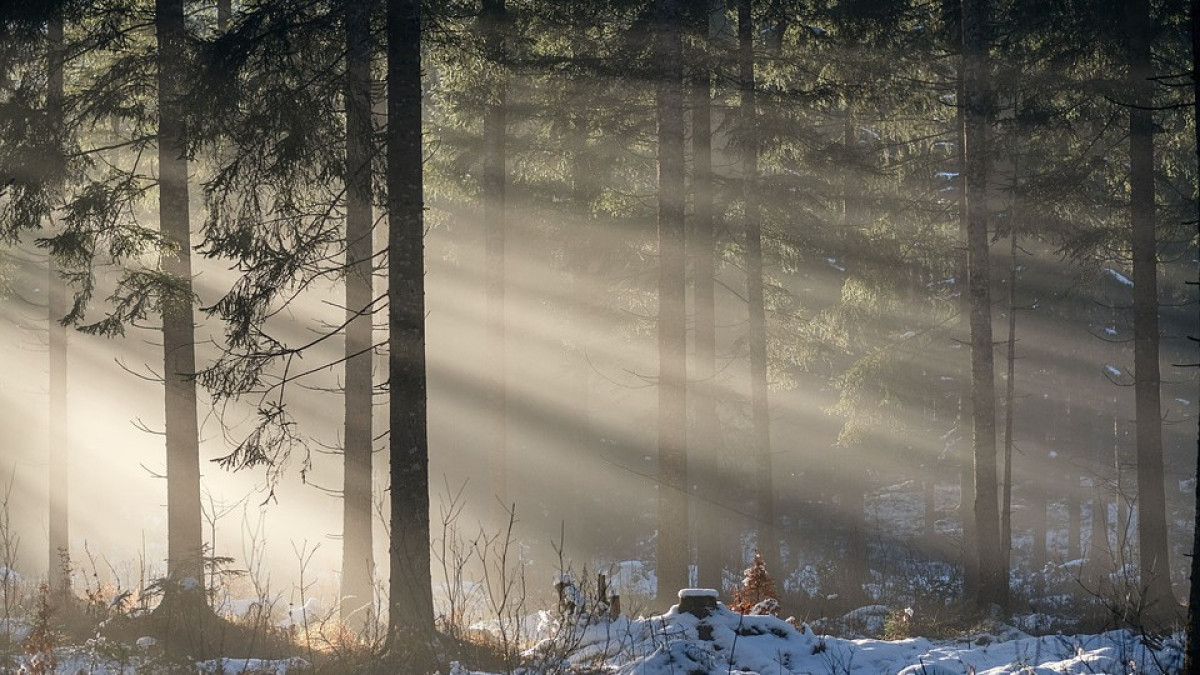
x=726, y=642
x=254, y=666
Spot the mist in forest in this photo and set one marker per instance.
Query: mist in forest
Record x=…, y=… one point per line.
x=859, y=195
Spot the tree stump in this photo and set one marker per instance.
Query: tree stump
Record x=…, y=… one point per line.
x=699, y=602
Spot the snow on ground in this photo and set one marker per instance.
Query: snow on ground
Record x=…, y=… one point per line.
x=727, y=643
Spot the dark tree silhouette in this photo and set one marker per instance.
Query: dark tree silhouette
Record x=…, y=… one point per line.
x=672, y=325
x=768, y=541
x=493, y=20
x=706, y=444
x=185, y=565
x=1159, y=599
x=993, y=576
x=357, y=541
x=410, y=598
x=58, y=525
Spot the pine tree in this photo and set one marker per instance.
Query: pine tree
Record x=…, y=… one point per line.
x=1192, y=648
x=493, y=21
x=672, y=411
x=1159, y=599
x=706, y=446
x=185, y=546
x=59, y=522
x=768, y=539
x=993, y=575
x=358, y=566
x=410, y=599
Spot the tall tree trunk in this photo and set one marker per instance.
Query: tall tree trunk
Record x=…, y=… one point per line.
x=672, y=329
x=410, y=597
x=1009, y=400
x=1040, y=525
x=993, y=578
x=1121, y=498
x=966, y=472
x=707, y=444
x=185, y=563
x=768, y=540
x=1099, y=551
x=1191, y=661
x=58, y=526
x=492, y=22
x=1151, y=493
x=358, y=565
x=579, y=461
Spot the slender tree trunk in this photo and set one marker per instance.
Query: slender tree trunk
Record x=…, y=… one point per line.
x=579, y=462
x=929, y=499
x=1099, y=550
x=768, y=540
x=1009, y=400
x=1121, y=499
x=1152, y=519
x=1040, y=525
x=58, y=526
x=1192, y=655
x=1074, y=513
x=492, y=22
x=707, y=445
x=993, y=581
x=672, y=328
x=184, y=532
x=966, y=474
x=410, y=597
x=358, y=565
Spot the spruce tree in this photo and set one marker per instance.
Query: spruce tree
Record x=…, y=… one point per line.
x=358, y=568
x=410, y=598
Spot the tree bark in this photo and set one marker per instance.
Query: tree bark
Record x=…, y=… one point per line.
x=358, y=566
x=58, y=307
x=966, y=474
x=672, y=329
x=410, y=598
x=185, y=563
x=706, y=446
x=1192, y=652
x=1009, y=400
x=993, y=581
x=1159, y=599
x=492, y=22
x=768, y=540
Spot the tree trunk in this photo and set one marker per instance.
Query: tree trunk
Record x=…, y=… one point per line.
x=185, y=565
x=966, y=474
x=410, y=599
x=1074, y=513
x=358, y=567
x=768, y=541
x=1192, y=654
x=59, y=306
x=993, y=577
x=1038, y=508
x=706, y=446
x=492, y=23
x=1009, y=399
x=1099, y=550
x=1121, y=499
x=1159, y=599
x=672, y=328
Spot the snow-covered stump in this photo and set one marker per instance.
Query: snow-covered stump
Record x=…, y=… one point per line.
x=699, y=602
